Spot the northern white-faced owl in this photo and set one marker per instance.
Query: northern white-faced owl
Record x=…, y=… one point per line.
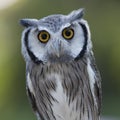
x=63, y=82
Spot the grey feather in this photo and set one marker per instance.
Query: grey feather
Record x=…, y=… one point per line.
x=76, y=15
x=28, y=22
x=76, y=87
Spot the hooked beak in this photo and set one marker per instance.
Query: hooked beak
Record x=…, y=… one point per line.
x=56, y=48
x=57, y=54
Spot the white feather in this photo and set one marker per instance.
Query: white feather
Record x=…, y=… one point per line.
x=62, y=109
x=92, y=79
x=35, y=46
x=29, y=84
x=78, y=40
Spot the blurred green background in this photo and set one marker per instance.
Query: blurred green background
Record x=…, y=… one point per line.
x=104, y=20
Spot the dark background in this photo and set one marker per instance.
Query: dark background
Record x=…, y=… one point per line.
x=104, y=20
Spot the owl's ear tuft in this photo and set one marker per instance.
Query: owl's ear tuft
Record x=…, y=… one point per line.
x=76, y=14
x=28, y=22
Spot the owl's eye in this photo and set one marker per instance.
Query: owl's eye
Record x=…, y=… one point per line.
x=68, y=33
x=43, y=36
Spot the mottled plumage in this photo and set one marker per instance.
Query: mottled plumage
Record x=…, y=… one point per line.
x=63, y=82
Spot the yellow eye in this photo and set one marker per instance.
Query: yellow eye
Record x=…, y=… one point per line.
x=43, y=36
x=68, y=33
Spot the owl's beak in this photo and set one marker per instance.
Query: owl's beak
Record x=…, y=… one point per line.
x=57, y=46
x=57, y=54
x=58, y=49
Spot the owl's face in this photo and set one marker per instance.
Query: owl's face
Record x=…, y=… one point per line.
x=56, y=38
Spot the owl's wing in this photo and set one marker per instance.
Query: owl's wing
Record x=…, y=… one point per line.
x=97, y=85
x=30, y=88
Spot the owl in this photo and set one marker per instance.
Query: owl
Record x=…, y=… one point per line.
x=62, y=79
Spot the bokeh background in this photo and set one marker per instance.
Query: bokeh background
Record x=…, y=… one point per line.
x=104, y=21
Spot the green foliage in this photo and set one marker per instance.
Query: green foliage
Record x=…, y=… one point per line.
x=103, y=17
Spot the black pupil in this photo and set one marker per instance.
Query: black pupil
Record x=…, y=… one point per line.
x=67, y=33
x=44, y=36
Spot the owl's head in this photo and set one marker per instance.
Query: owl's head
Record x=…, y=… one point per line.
x=56, y=38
